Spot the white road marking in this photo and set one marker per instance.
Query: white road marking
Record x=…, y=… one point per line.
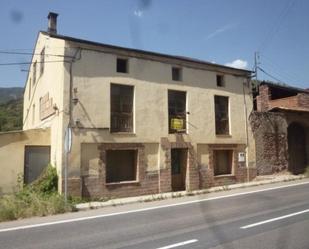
x=145, y=209
x=275, y=219
x=179, y=244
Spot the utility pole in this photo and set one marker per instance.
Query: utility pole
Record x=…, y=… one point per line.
x=256, y=63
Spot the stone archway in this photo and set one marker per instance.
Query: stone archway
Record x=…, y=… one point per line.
x=297, y=148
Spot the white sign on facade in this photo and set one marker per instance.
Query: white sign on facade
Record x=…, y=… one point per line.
x=241, y=157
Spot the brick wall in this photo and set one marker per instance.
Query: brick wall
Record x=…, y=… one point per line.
x=152, y=182
x=146, y=183
x=192, y=176
x=303, y=100
x=239, y=169
x=262, y=100
x=289, y=102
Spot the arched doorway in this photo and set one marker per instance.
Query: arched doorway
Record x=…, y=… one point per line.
x=297, y=148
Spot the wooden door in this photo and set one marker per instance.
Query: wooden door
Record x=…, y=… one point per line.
x=179, y=168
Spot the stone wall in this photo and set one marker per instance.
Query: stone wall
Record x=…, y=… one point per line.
x=270, y=132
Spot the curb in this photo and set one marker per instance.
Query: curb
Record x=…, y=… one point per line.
x=169, y=195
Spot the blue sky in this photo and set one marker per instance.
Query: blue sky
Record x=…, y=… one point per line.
x=222, y=31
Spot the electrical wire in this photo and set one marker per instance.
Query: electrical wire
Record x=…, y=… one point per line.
x=269, y=68
x=28, y=53
x=271, y=76
x=276, y=27
x=280, y=70
x=28, y=63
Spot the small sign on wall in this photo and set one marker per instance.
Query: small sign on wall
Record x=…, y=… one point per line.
x=46, y=107
x=241, y=157
x=177, y=123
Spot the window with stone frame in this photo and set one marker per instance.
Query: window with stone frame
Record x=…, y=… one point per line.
x=177, y=111
x=121, y=165
x=223, y=160
x=42, y=62
x=222, y=115
x=121, y=108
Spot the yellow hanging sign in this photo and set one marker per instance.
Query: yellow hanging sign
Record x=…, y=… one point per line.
x=177, y=124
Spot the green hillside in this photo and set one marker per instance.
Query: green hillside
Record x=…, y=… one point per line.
x=11, y=114
x=10, y=93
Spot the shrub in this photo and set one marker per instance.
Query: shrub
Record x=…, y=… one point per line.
x=37, y=199
x=47, y=183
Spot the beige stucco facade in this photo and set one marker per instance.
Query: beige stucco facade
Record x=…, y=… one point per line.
x=12, y=154
x=74, y=90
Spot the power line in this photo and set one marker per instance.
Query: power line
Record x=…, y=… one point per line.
x=27, y=53
x=281, y=70
x=28, y=63
x=268, y=74
x=275, y=28
x=276, y=72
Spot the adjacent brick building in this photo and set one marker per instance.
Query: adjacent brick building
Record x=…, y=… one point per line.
x=281, y=129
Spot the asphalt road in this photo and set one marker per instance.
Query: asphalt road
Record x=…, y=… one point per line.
x=272, y=216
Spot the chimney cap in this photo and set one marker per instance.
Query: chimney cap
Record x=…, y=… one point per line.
x=52, y=14
x=52, y=22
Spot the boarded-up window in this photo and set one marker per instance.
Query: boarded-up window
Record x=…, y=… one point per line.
x=121, y=165
x=177, y=111
x=46, y=107
x=222, y=115
x=223, y=162
x=121, y=108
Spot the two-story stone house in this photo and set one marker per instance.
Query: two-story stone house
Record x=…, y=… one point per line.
x=141, y=122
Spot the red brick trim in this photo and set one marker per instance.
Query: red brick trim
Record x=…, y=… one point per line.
x=147, y=182
x=192, y=176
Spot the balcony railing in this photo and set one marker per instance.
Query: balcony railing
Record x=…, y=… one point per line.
x=121, y=122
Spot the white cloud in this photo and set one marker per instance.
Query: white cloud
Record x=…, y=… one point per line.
x=241, y=64
x=220, y=30
x=138, y=13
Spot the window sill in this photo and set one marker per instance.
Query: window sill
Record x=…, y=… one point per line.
x=178, y=132
x=123, y=133
x=224, y=176
x=223, y=136
x=124, y=183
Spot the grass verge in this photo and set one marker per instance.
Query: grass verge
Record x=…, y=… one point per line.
x=37, y=199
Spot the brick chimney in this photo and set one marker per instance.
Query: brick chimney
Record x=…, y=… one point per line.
x=52, y=22
x=262, y=100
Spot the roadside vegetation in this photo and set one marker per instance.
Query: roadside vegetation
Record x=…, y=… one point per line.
x=11, y=114
x=37, y=199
